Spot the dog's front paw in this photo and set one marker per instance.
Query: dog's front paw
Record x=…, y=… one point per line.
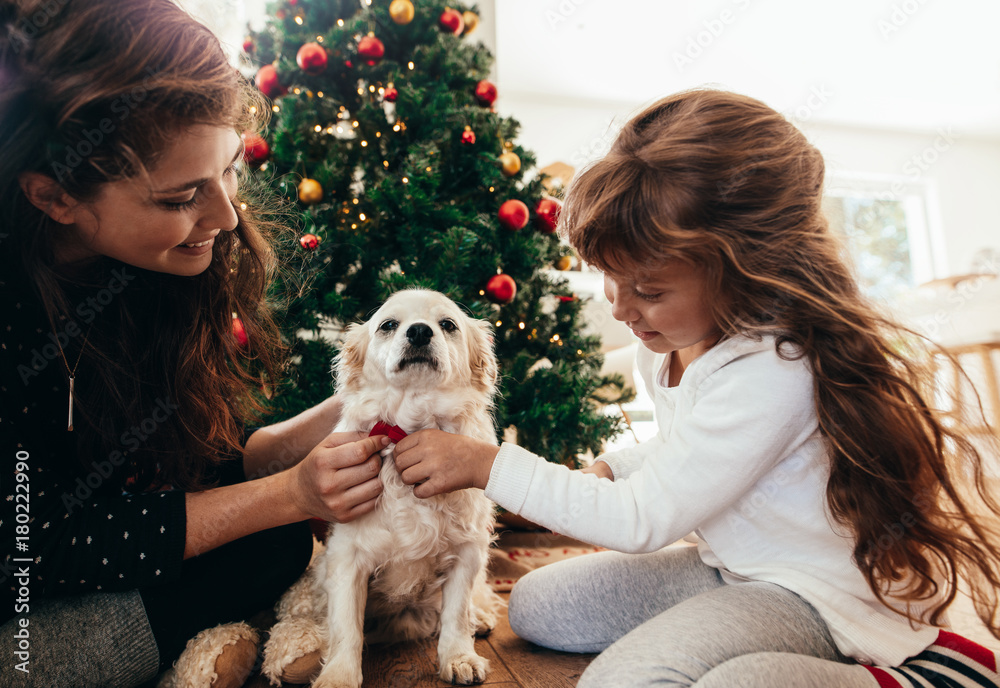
x=339, y=674
x=464, y=670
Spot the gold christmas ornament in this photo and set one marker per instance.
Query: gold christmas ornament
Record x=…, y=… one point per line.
x=471, y=20
x=510, y=163
x=564, y=263
x=310, y=191
x=401, y=11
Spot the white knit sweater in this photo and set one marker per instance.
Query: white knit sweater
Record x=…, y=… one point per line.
x=739, y=459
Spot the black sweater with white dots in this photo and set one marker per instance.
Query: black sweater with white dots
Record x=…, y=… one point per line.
x=65, y=527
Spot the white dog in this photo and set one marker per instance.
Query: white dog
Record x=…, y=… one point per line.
x=412, y=566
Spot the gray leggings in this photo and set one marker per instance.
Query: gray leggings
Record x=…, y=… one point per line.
x=668, y=619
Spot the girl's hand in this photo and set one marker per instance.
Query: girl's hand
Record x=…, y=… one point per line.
x=600, y=469
x=437, y=461
x=336, y=481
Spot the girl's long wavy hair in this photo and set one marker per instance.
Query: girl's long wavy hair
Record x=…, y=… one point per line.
x=93, y=91
x=725, y=182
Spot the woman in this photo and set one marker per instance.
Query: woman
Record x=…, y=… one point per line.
x=131, y=520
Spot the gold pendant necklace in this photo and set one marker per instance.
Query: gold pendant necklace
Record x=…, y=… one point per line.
x=72, y=377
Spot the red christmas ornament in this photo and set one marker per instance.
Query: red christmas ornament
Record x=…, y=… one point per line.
x=255, y=148
x=309, y=241
x=451, y=21
x=311, y=58
x=547, y=215
x=248, y=45
x=501, y=289
x=513, y=214
x=468, y=136
x=240, y=332
x=568, y=299
x=267, y=82
x=486, y=93
x=390, y=94
x=348, y=64
x=372, y=49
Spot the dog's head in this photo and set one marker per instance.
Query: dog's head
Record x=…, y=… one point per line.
x=418, y=337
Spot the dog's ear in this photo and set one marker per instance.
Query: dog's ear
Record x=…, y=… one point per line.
x=350, y=361
x=482, y=358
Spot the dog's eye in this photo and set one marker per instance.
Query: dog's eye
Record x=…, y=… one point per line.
x=448, y=325
x=388, y=326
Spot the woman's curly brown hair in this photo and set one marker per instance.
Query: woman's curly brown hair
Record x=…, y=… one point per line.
x=139, y=73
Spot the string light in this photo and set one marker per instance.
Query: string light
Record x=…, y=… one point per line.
x=410, y=65
x=354, y=201
x=428, y=168
x=371, y=89
x=385, y=163
x=319, y=39
x=406, y=180
x=319, y=93
x=395, y=128
x=354, y=225
x=243, y=206
x=253, y=109
x=378, y=134
x=499, y=323
x=354, y=123
x=340, y=22
x=520, y=326
x=361, y=216
x=361, y=91
x=317, y=128
x=491, y=189
x=364, y=144
x=329, y=129
x=275, y=108
x=296, y=90
x=298, y=20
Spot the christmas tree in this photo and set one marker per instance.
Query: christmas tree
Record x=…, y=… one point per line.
x=384, y=137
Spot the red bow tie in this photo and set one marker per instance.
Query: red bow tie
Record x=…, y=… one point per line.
x=394, y=432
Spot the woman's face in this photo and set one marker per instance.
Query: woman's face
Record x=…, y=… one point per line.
x=166, y=221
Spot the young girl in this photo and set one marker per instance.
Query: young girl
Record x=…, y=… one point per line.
x=831, y=503
x=128, y=520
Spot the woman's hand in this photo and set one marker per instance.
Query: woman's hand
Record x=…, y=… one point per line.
x=338, y=480
x=442, y=462
x=278, y=447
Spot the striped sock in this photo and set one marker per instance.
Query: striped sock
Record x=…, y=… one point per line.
x=951, y=662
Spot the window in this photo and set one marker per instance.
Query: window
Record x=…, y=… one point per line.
x=884, y=222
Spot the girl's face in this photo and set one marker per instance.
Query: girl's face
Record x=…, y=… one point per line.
x=667, y=308
x=167, y=221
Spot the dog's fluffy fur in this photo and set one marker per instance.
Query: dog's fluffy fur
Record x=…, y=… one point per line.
x=412, y=566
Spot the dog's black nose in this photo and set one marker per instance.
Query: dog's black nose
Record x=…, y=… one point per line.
x=419, y=334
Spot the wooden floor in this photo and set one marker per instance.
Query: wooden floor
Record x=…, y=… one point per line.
x=514, y=663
